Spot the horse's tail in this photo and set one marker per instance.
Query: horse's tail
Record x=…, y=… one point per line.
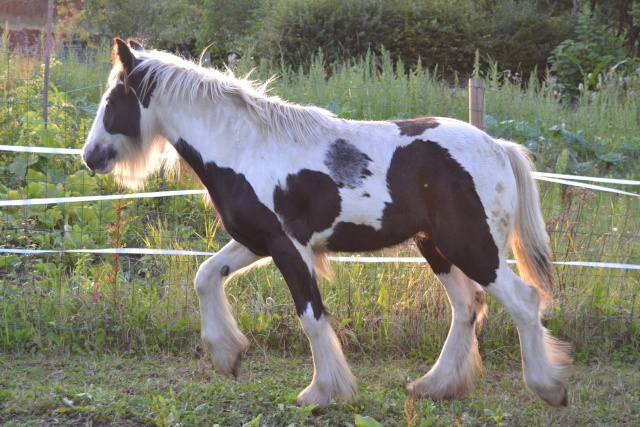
x=529, y=240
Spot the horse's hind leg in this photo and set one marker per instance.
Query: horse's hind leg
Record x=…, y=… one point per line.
x=544, y=359
x=220, y=332
x=453, y=374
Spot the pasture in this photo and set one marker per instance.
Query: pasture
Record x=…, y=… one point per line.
x=96, y=310
x=163, y=390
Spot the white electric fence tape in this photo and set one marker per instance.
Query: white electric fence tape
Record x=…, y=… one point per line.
x=55, y=200
x=557, y=178
x=346, y=259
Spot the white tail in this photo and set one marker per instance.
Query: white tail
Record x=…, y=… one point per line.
x=529, y=240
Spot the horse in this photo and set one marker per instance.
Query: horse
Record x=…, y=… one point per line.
x=294, y=183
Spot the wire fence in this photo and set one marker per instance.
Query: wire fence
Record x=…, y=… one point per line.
x=101, y=283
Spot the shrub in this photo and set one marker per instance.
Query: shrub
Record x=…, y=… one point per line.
x=524, y=35
x=579, y=60
x=158, y=23
x=226, y=23
x=295, y=30
x=441, y=33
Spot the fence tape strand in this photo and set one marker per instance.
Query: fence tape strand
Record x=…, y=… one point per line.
x=343, y=259
x=56, y=200
x=572, y=180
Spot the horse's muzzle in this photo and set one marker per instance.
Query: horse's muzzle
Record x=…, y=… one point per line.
x=100, y=158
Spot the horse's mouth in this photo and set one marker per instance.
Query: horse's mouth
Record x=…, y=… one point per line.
x=101, y=159
x=105, y=168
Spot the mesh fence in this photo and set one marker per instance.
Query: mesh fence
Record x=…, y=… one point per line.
x=88, y=300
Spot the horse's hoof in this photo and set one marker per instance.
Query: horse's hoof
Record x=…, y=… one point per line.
x=557, y=399
x=235, y=368
x=313, y=396
x=324, y=395
x=434, y=390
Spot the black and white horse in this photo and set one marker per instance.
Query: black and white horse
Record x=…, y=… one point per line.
x=293, y=183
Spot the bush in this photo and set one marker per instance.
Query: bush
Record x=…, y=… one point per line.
x=441, y=33
x=524, y=35
x=159, y=23
x=579, y=60
x=295, y=30
x=226, y=23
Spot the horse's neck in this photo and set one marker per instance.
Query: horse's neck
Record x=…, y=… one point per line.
x=220, y=131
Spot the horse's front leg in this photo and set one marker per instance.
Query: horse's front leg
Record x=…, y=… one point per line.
x=332, y=378
x=220, y=332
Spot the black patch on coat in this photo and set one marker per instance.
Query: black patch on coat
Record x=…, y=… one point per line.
x=122, y=113
x=347, y=164
x=433, y=194
x=144, y=92
x=255, y=226
x=308, y=203
x=242, y=214
x=416, y=127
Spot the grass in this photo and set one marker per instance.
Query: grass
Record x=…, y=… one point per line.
x=84, y=305
x=159, y=390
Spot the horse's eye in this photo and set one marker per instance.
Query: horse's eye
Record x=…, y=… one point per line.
x=110, y=101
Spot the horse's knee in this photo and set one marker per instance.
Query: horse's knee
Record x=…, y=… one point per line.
x=209, y=275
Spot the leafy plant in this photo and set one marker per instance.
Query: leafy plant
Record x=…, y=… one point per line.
x=577, y=62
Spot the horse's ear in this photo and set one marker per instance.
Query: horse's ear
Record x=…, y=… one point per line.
x=124, y=55
x=135, y=45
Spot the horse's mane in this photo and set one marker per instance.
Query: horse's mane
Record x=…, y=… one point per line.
x=178, y=78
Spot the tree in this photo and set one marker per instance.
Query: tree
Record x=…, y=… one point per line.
x=623, y=18
x=160, y=23
x=591, y=51
x=225, y=23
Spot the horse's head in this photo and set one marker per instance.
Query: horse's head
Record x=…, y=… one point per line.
x=116, y=128
x=117, y=142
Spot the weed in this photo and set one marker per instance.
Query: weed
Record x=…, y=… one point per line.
x=88, y=303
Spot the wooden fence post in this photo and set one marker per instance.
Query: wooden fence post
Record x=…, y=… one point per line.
x=477, y=106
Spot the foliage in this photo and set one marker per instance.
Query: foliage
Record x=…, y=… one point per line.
x=445, y=34
x=294, y=30
x=226, y=23
x=160, y=23
x=519, y=34
x=84, y=302
x=524, y=34
x=102, y=387
x=580, y=61
x=441, y=34
x=621, y=18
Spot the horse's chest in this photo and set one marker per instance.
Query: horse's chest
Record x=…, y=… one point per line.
x=243, y=215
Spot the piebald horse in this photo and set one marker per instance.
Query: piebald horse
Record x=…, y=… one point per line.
x=293, y=183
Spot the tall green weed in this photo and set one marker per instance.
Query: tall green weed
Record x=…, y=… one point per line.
x=90, y=302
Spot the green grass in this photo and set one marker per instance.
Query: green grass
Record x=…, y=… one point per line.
x=89, y=303
x=125, y=390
